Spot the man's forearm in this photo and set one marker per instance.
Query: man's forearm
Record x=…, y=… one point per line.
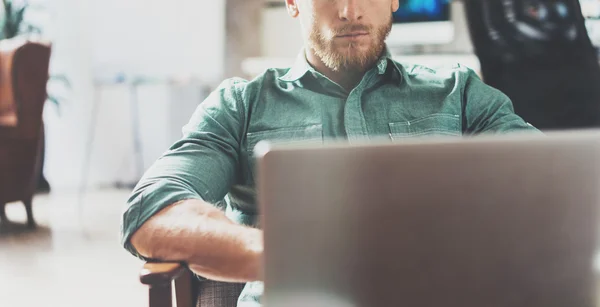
x=201, y=235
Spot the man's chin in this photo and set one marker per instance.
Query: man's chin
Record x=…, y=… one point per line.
x=354, y=49
x=349, y=57
x=358, y=59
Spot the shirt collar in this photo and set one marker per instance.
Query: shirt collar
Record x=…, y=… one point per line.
x=301, y=66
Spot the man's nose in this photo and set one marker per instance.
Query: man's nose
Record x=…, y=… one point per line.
x=351, y=10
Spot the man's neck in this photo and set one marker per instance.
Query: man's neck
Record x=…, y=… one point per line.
x=348, y=79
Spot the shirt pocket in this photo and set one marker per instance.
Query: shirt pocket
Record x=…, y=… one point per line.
x=312, y=134
x=433, y=125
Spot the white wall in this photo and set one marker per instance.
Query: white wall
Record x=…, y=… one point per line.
x=281, y=34
x=159, y=37
x=99, y=38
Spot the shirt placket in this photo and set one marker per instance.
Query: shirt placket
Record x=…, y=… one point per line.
x=354, y=118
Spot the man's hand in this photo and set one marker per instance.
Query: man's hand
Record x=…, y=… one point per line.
x=201, y=235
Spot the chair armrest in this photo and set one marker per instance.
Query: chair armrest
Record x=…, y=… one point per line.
x=159, y=276
x=154, y=273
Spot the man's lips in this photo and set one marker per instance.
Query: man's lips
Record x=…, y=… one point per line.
x=353, y=34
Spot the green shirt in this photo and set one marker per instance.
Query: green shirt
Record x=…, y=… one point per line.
x=214, y=161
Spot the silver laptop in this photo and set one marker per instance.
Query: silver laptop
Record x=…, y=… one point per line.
x=487, y=221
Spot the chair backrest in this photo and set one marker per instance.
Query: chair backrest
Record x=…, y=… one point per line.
x=23, y=77
x=552, y=83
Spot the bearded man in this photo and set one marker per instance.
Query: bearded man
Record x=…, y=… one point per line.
x=196, y=204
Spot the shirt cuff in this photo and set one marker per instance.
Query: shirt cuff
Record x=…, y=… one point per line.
x=146, y=203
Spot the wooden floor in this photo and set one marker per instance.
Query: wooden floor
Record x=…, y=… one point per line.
x=73, y=258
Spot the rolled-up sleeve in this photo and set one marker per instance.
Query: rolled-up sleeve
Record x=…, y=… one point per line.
x=488, y=110
x=201, y=165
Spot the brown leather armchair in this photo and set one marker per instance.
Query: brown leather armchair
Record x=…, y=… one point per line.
x=189, y=291
x=23, y=77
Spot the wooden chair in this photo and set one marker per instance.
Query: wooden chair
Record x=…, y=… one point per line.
x=23, y=77
x=189, y=290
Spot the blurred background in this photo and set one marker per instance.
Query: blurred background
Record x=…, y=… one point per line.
x=173, y=54
x=125, y=76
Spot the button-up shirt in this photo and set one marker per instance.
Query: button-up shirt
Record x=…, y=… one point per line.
x=214, y=162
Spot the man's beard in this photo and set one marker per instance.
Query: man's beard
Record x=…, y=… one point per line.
x=349, y=57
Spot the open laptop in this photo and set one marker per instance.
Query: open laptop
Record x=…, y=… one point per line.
x=487, y=221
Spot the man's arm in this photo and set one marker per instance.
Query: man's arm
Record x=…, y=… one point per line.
x=170, y=214
x=488, y=110
x=201, y=235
